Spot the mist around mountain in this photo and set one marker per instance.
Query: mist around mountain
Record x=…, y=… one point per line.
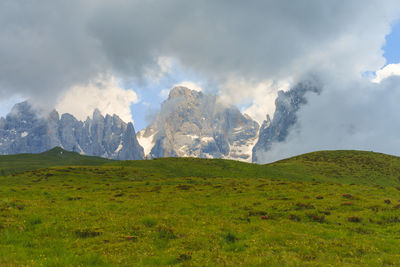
x=189, y=124
x=193, y=124
x=285, y=117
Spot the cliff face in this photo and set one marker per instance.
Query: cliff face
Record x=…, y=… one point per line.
x=24, y=131
x=193, y=124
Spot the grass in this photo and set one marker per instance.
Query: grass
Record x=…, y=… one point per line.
x=340, y=166
x=324, y=209
x=12, y=164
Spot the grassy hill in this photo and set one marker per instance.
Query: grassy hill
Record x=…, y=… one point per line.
x=347, y=166
x=341, y=166
x=329, y=208
x=11, y=164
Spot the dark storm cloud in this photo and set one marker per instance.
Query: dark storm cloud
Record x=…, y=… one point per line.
x=253, y=39
x=44, y=47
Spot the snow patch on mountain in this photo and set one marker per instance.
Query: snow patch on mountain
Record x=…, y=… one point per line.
x=146, y=140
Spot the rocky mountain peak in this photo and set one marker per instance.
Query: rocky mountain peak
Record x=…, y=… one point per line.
x=266, y=123
x=23, y=109
x=183, y=92
x=54, y=116
x=193, y=124
x=97, y=115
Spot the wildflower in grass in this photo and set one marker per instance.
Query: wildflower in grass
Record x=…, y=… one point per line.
x=132, y=238
x=166, y=233
x=347, y=204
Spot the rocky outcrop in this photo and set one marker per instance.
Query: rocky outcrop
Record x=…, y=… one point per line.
x=24, y=131
x=193, y=124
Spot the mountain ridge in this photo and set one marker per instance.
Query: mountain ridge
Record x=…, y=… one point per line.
x=25, y=131
x=190, y=123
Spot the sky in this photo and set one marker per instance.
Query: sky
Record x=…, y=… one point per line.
x=123, y=56
x=151, y=96
x=392, y=46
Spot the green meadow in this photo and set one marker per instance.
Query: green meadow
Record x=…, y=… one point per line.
x=328, y=208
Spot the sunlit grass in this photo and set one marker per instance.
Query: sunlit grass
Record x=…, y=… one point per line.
x=128, y=215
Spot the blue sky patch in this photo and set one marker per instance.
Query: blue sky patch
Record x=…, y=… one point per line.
x=392, y=47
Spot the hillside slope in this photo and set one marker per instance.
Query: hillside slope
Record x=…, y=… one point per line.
x=193, y=212
x=11, y=164
x=342, y=166
x=358, y=167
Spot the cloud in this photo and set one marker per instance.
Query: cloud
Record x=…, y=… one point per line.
x=45, y=48
x=191, y=85
x=258, y=97
x=387, y=71
x=48, y=46
x=104, y=94
x=7, y=103
x=164, y=93
x=188, y=84
x=354, y=114
x=164, y=67
x=257, y=41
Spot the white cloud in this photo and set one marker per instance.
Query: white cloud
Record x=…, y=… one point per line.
x=262, y=106
x=164, y=93
x=261, y=96
x=190, y=85
x=104, y=94
x=163, y=67
x=387, y=71
x=356, y=114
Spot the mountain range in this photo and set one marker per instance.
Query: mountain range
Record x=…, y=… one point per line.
x=189, y=124
x=24, y=130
